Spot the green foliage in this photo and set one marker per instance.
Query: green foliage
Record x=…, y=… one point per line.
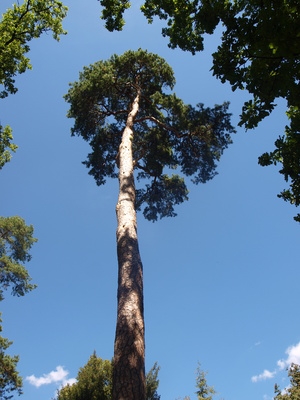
x=168, y=134
x=293, y=391
x=160, y=196
x=6, y=145
x=260, y=46
x=287, y=153
x=10, y=381
x=20, y=24
x=204, y=392
x=152, y=383
x=259, y=52
x=16, y=240
x=113, y=13
x=94, y=382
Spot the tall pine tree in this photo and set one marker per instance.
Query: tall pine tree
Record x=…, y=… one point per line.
x=137, y=129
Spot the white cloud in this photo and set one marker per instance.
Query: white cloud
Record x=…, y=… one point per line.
x=281, y=364
x=284, y=390
x=293, y=353
x=262, y=377
x=293, y=356
x=58, y=376
x=70, y=382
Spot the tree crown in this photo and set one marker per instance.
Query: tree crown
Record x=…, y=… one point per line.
x=292, y=392
x=168, y=134
x=94, y=382
x=19, y=25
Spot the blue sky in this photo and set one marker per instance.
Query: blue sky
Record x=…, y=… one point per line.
x=221, y=279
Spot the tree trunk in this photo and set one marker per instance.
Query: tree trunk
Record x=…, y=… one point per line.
x=129, y=354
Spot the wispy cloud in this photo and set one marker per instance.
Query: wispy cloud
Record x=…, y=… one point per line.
x=293, y=356
x=59, y=376
x=264, y=376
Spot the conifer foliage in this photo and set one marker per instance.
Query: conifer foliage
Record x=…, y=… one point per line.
x=10, y=380
x=293, y=390
x=204, y=392
x=168, y=134
x=94, y=382
x=16, y=240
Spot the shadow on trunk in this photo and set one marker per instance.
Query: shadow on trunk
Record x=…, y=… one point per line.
x=129, y=358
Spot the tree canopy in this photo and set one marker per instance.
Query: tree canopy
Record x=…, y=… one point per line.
x=94, y=382
x=10, y=380
x=152, y=383
x=168, y=134
x=16, y=240
x=6, y=145
x=204, y=392
x=259, y=52
x=19, y=25
x=292, y=392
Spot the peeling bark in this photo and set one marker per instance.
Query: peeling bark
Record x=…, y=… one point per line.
x=129, y=353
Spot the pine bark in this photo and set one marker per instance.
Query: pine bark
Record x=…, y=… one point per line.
x=129, y=352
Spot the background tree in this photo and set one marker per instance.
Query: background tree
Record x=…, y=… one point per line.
x=204, y=392
x=94, y=382
x=10, y=380
x=6, y=145
x=293, y=391
x=152, y=383
x=259, y=52
x=121, y=109
x=16, y=240
x=19, y=25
